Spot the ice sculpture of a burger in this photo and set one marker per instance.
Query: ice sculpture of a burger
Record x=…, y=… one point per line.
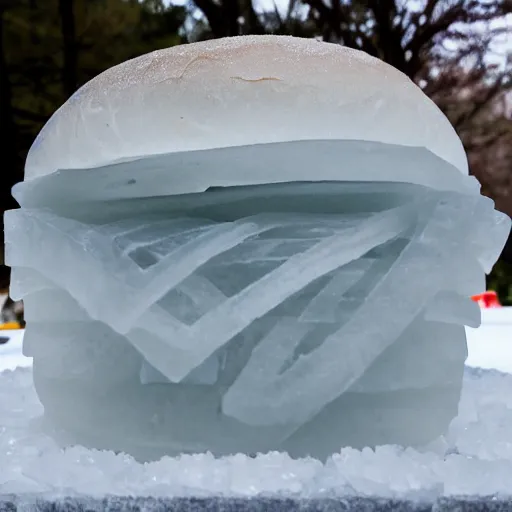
x=249, y=244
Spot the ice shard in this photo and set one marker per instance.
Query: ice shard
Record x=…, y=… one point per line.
x=249, y=244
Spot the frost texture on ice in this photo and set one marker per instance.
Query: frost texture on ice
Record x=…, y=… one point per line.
x=235, y=92
x=296, y=316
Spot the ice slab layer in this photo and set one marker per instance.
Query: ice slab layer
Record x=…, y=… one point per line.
x=287, y=162
x=294, y=316
x=489, y=347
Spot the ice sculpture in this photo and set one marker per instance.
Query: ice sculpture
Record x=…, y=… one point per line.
x=249, y=244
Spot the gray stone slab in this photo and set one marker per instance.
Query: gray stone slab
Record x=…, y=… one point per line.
x=24, y=503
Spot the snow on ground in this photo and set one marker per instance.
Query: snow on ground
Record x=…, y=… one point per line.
x=490, y=346
x=11, y=356
x=475, y=457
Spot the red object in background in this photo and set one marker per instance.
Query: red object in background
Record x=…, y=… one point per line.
x=487, y=300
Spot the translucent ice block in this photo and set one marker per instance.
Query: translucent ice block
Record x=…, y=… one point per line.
x=297, y=316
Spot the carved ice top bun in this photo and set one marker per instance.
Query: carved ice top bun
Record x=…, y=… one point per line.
x=240, y=91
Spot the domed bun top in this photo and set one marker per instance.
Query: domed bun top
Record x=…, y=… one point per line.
x=235, y=92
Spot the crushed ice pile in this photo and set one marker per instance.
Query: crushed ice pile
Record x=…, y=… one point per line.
x=475, y=458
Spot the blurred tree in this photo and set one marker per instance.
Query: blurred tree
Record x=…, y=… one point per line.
x=48, y=48
x=477, y=102
x=8, y=130
x=69, y=47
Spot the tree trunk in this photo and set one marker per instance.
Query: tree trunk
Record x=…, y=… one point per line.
x=11, y=165
x=68, y=29
x=33, y=17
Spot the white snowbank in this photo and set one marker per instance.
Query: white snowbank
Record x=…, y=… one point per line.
x=11, y=355
x=475, y=458
x=490, y=346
